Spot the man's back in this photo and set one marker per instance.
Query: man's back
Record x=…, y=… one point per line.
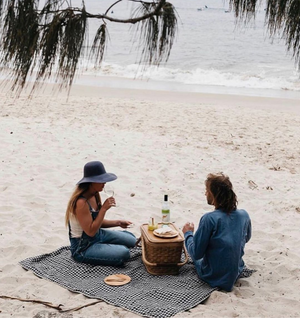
x=218, y=246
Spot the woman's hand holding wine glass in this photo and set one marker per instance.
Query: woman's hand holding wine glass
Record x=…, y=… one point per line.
x=109, y=191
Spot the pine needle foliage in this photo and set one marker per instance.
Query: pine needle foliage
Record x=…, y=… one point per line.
x=282, y=18
x=19, y=49
x=157, y=33
x=62, y=43
x=38, y=43
x=99, y=44
x=244, y=9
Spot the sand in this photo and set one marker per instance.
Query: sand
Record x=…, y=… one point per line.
x=156, y=142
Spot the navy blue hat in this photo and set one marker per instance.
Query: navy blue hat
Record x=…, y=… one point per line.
x=94, y=171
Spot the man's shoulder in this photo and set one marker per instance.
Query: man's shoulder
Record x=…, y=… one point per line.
x=243, y=213
x=219, y=213
x=212, y=215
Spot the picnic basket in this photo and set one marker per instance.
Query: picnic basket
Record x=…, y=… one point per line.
x=162, y=256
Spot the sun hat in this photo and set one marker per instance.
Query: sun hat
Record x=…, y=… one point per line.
x=94, y=171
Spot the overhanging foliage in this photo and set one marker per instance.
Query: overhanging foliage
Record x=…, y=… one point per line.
x=50, y=41
x=282, y=17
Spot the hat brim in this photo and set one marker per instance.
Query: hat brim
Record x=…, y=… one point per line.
x=103, y=178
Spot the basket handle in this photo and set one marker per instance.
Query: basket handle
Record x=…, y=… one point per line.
x=186, y=256
x=163, y=264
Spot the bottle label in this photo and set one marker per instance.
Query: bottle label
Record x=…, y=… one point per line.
x=165, y=216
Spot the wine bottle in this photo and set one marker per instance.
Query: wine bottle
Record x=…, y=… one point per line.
x=165, y=211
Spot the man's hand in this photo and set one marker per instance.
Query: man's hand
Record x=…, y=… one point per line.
x=189, y=226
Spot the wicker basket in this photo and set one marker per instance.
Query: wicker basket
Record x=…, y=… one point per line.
x=162, y=256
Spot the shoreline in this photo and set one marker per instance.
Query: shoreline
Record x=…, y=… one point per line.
x=172, y=86
x=147, y=87
x=259, y=102
x=279, y=104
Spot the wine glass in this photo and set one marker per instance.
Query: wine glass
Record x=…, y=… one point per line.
x=110, y=192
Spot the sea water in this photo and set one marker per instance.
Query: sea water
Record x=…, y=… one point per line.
x=211, y=53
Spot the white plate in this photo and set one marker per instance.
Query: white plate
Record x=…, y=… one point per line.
x=165, y=235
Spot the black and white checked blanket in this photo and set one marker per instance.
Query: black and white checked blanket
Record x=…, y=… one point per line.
x=146, y=294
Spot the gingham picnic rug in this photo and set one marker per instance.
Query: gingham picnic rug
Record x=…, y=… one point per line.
x=146, y=295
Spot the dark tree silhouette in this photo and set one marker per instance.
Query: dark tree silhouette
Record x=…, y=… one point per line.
x=282, y=17
x=51, y=39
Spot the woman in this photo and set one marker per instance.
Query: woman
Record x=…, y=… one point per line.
x=218, y=245
x=90, y=241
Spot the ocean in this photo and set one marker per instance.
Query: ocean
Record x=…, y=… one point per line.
x=211, y=53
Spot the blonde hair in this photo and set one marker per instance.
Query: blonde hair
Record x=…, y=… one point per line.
x=78, y=192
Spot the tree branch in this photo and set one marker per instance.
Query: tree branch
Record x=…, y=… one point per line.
x=155, y=12
x=48, y=304
x=112, y=6
x=54, y=37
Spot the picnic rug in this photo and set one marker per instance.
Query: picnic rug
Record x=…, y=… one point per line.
x=146, y=295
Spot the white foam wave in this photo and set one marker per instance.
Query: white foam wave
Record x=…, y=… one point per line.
x=262, y=79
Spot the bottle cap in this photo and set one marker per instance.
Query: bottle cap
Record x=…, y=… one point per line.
x=166, y=197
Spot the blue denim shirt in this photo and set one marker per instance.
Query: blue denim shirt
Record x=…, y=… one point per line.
x=218, y=245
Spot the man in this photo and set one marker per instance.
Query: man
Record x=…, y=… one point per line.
x=217, y=247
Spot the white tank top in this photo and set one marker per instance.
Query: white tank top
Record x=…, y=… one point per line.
x=75, y=228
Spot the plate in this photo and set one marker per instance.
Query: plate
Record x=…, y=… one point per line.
x=117, y=280
x=166, y=235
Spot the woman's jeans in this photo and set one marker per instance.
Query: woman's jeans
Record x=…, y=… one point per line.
x=107, y=247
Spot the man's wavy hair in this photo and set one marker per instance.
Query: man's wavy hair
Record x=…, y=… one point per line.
x=220, y=187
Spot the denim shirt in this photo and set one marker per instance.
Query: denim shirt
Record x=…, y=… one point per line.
x=218, y=245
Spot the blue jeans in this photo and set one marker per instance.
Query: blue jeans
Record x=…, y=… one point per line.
x=107, y=247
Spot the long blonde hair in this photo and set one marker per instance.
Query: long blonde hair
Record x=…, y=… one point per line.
x=78, y=192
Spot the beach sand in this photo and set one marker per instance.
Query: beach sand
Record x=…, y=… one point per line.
x=156, y=142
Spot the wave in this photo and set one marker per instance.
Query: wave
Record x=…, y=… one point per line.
x=213, y=77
